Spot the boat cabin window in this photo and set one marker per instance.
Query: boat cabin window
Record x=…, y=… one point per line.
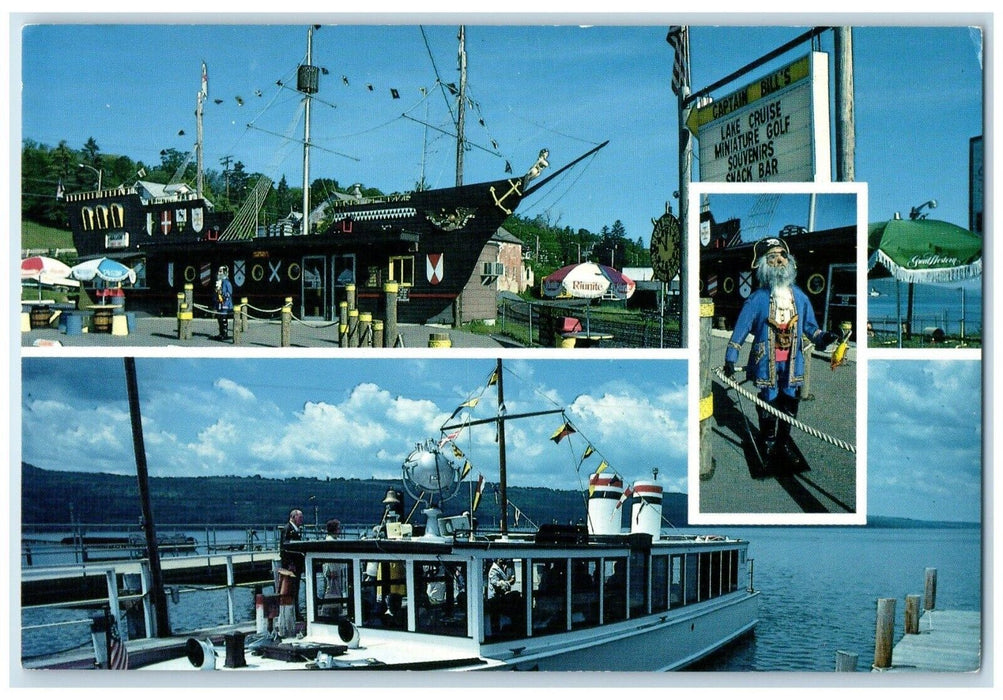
x=614, y=589
x=691, y=579
x=333, y=591
x=384, y=594
x=638, y=583
x=550, y=596
x=441, y=598
x=584, y=593
x=659, y=583
x=504, y=599
x=677, y=581
x=401, y=270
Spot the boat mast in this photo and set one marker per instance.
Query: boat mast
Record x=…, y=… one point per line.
x=502, y=476
x=461, y=101
x=307, y=84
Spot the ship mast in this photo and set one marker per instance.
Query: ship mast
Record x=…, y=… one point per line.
x=461, y=101
x=307, y=83
x=203, y=93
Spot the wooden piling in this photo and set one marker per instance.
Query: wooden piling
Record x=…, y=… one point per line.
x=343, y=324
x=238, y=326
x=884, y=633
x=184, y=322
x=365, y=326
x=350, y=296
x=912, y=614
x=930, y=590
x=377, y=333
x=190, y=295
x=353, y=328
x=181, y=302
x=287, y=319
x=243, y=314
x=846, y=661
x=706, y=390
x=390, y=292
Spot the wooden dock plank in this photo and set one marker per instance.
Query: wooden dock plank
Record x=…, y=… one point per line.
x=948, y=640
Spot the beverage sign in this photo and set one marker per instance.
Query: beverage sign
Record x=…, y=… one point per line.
x=773, y=130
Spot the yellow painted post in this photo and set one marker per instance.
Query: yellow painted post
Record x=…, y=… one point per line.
x=287, y=319
x=343, y=324
x=190, y=295
x=184, y=322
x=238, y=322
x=390, y=292
x=350, y=295
x=243, y=314
x=377, y=333
x=439, y=340
x=353, y=327
x=706, y=390
x=365, y=324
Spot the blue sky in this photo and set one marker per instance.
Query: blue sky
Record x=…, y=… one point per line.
x=351, y=418
x=345, y=418
x=918, y=97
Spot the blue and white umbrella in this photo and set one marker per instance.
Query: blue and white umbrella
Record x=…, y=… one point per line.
x=105, y=269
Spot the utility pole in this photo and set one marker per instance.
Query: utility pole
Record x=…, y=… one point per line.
x=845, y=122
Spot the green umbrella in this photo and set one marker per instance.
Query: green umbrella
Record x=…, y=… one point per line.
x=923, y=250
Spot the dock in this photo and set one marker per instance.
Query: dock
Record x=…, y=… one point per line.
x=948, y=640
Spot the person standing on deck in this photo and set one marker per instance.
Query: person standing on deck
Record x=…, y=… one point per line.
x=292, y=562
x=779, y=315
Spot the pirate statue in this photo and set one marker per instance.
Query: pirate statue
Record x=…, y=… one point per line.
x=224, y=300
x=779, y=316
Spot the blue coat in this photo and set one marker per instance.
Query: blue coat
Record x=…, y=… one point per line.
x=226, y=291
x=762, y=366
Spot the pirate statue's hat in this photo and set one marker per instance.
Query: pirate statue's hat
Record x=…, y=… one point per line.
x=763, y=246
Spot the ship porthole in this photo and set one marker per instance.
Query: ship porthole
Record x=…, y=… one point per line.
x=257, y=272
x=294, y=271
x=190, y=273
x=816, y=283
x=728, y=285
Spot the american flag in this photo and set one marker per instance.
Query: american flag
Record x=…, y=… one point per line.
x=118, y=655
x=679, y=40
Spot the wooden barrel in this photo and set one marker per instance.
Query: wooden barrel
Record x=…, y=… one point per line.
x=102, y=323
x=439, y=340
x=39, y=317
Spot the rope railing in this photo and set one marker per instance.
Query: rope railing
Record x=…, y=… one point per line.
x=729, y=382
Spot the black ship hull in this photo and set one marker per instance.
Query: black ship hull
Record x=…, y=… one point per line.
x=428, y=242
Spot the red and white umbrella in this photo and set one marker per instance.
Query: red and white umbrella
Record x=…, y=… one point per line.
x=45, y=270
x=588, y=280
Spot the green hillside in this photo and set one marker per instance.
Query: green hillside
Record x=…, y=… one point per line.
x=47, y=497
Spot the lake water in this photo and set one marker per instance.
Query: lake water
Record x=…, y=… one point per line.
x=933, y=306
x=819, y=590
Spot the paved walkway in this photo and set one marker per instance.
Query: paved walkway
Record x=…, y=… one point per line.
x=152, y=331
x=829, y=483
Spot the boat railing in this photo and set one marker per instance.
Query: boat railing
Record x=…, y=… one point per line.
x=135, y=590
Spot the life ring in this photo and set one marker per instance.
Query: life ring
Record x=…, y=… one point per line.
x=728, y=285
x=293, y=271
x=190, y=273
x=257, y=272
x=816, y=283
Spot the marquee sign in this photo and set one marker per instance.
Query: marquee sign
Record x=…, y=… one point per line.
x=773, y=130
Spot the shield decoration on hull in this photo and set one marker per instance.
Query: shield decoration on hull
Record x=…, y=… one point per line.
x=433, y=267
x=149, y=223
x=198, y=219
x=165, y=221
x=239, y=272
x=170, y=275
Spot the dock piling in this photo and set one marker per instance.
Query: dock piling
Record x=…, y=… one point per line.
x=930, y=589
x=706, y=390
x=846, y=661
x=912, y=614
x=287, y=317
x=884, y=633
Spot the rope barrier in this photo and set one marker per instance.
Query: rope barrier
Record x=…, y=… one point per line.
x=727, y=381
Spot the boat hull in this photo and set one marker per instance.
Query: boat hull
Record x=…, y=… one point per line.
x=683, y=638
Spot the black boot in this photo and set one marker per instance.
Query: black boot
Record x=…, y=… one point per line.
x=768, y=438
x=787, y=452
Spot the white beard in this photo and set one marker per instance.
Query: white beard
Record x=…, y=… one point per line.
x=777, y=277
